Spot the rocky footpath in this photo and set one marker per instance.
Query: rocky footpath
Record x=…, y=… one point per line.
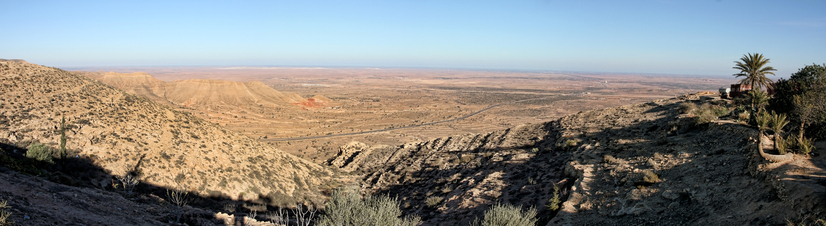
x=636, y=164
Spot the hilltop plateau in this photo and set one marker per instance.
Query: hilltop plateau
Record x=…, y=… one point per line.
x=127, y=134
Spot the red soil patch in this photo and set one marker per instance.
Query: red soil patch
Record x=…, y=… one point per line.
x=310, y=103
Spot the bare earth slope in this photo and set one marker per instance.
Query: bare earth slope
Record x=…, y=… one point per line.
x=122, y=132
x=37, y=201
x=709, y=174
x=197, y=93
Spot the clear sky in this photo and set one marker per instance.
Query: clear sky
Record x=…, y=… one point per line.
x=699, y=37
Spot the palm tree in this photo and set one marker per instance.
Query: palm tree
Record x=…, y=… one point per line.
x=763, y=121
x=778, y=121
x=753, y=68
x=758, y=98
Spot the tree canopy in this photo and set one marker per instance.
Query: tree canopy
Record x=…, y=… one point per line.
x=754, y=68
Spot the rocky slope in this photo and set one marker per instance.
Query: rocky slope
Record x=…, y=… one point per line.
x=121, y=132
x=636, y=164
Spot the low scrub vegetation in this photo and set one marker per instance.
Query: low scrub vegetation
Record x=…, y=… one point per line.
x=433, y=201
x=347, y=208
x=707, y=113
x=4, y=215
x=805, y=145
x=554, y=203
x=40, y=152
x=687, y=107
x=507, y=215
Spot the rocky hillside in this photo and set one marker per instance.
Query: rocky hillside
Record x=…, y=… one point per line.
x=121, y=132
x=636, y=164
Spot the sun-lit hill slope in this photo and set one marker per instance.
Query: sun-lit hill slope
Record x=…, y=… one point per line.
x=120, y=131
x=138, y=83
x=201, y=93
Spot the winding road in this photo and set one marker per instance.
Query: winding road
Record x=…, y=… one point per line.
x=403, y=127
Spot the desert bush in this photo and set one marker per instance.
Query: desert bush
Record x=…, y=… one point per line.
x=687, y=107
x=507, y=215
x=719, y=111
x=279, y=217
x=704, y=116
x=433, y=201
x=707, y=113
x=230, y=207
x=128, y=181
x=40, y=152
x=568, y=144
x=553, y=203
x=4, y=215
x=177, y=196
x=805, y=146
x=743, y=117
x=63, y=137
x=649, y=177
x=304, y=217
x=610, y=159
x=347, y=208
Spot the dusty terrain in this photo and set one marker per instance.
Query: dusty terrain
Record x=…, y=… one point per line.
x=706, y=174
x=630, y=164
x=380, y=106
x=121, y=133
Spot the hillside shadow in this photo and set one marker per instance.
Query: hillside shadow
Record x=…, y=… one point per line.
x=524, y=181
x=80, y=172
x=529, y=182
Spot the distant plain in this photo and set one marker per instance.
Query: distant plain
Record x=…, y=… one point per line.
x=392, y=106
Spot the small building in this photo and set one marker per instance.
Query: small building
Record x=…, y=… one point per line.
x=770, y=89
x=738, y=90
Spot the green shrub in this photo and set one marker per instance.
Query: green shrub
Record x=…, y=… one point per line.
x=707, y=113
x=763, y=119
x=805, y=146
x=743, y=116
x=568, y=144
x=650, y=177
x=704, y=116
x=4, y=215
x=347, y=208
x=553, y=203
x=507, y=215
x=687, y=107
x=40, y=152
x=433, y=201
x=719, y=111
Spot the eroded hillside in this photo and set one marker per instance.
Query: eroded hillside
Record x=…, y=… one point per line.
x=122, y=132
x=634, y=164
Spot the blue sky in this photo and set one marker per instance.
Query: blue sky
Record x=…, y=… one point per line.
x=662, y=37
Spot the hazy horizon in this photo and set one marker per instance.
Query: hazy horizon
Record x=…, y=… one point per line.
x=129, y=69
x=647, y=37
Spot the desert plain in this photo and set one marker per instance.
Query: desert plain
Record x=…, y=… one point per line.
x=325, y=108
